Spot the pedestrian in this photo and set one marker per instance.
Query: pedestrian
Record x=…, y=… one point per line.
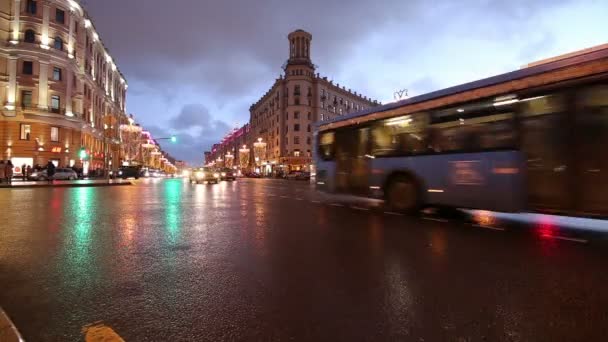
x=8, y=173
x=50, y=171
x=28, y=171
x=2, y=171
x=24, y=172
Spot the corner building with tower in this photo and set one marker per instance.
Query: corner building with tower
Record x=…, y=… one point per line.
x=61, y=91
x=280, y=129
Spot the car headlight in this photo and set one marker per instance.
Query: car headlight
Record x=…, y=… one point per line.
x=223, y=174
x=120, y=173
x=216, y=175
x=199, y=175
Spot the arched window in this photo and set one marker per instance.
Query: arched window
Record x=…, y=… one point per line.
x=30, y=36
x=58, y=43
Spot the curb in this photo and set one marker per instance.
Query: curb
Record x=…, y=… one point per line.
x=46, y=186
x=8, y=331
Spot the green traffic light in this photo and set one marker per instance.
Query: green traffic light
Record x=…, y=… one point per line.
x=82, y=154
x=173, y=139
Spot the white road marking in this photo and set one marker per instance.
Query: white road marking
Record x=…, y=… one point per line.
x=435, y=219
x=283, y=196
x=336, y=204
x=566, y=238
x=314, y=201
x=489, y=227
x=393, y=213
x=359, y=208
x=299, y=199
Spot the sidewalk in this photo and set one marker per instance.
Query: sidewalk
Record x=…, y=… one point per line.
x=64, y=184
x=8, y=331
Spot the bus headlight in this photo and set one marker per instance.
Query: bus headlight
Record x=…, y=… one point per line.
x=216, y=175
x=200, y=175
x=223, y=174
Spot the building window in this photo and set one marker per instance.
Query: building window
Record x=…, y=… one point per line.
x=58, y=43
x=321, y=117
x=31, y=7
x=296, y=101
x=54, y=134
x=296, y=140
x=56, y=74
x=308, y=128
x=28, y=68
x=286, y=128
x=296, y=90
x=55, y=103
x=26, y=98
x=309, y=115
x=26, y=130
x=308, y=141
x=296, y=153
x=30, y=36
x=340, y=111
x=296, y=127
x=296, y=115
x=60, y=16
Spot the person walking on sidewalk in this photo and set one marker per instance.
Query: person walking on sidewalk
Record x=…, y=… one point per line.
x=28, y=171
x=24, y=172
x=8, y=173
x=50, y=171
x=2, y=171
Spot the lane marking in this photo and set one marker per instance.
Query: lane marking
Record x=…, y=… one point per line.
x=435, y=219
x=393, y=213
x=315, y=201
x=489, y=227
x=283, y=196
x=299, y=199
x=99, y=332
x=336, y=204
x=359, y=208
x=558, y=237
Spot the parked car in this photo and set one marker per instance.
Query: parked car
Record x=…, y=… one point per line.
x=298, y=175
x=129, y=172
x=227, y=174
x=204, y=174
x=253, y=175
x=60, y=174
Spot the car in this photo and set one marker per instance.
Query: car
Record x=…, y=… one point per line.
x=204, y=174
x=60, y=174
x=253, y=175
x=129, y=172
x=227, y=174
x=298, y=175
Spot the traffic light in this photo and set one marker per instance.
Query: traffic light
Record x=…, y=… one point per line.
x=173, y=139
x=82, y=154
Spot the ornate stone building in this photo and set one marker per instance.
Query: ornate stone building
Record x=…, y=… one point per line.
x=60, y=89
x=281, y=121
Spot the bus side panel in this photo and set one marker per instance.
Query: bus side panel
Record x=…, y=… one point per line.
x=325, y=178
x=488, y=180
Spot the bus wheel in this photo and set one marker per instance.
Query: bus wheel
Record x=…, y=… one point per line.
x=402, y=195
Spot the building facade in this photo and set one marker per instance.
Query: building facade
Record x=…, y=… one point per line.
x=280, y=129
x=61, y=91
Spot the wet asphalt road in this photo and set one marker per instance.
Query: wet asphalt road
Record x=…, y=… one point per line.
x=272, y=260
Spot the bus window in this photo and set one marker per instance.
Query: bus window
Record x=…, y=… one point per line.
x=545, y=140
x=402, y=135
x=327, y=145
x=475, y=134
x=592, y=139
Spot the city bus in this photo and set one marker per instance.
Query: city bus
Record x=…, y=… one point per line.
x=535, y=139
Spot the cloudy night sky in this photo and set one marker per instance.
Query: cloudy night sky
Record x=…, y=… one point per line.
x=195, y=66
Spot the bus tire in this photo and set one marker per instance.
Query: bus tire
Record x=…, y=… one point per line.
x=402, y=194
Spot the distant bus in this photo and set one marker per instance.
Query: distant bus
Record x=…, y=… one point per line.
x=535, y=139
